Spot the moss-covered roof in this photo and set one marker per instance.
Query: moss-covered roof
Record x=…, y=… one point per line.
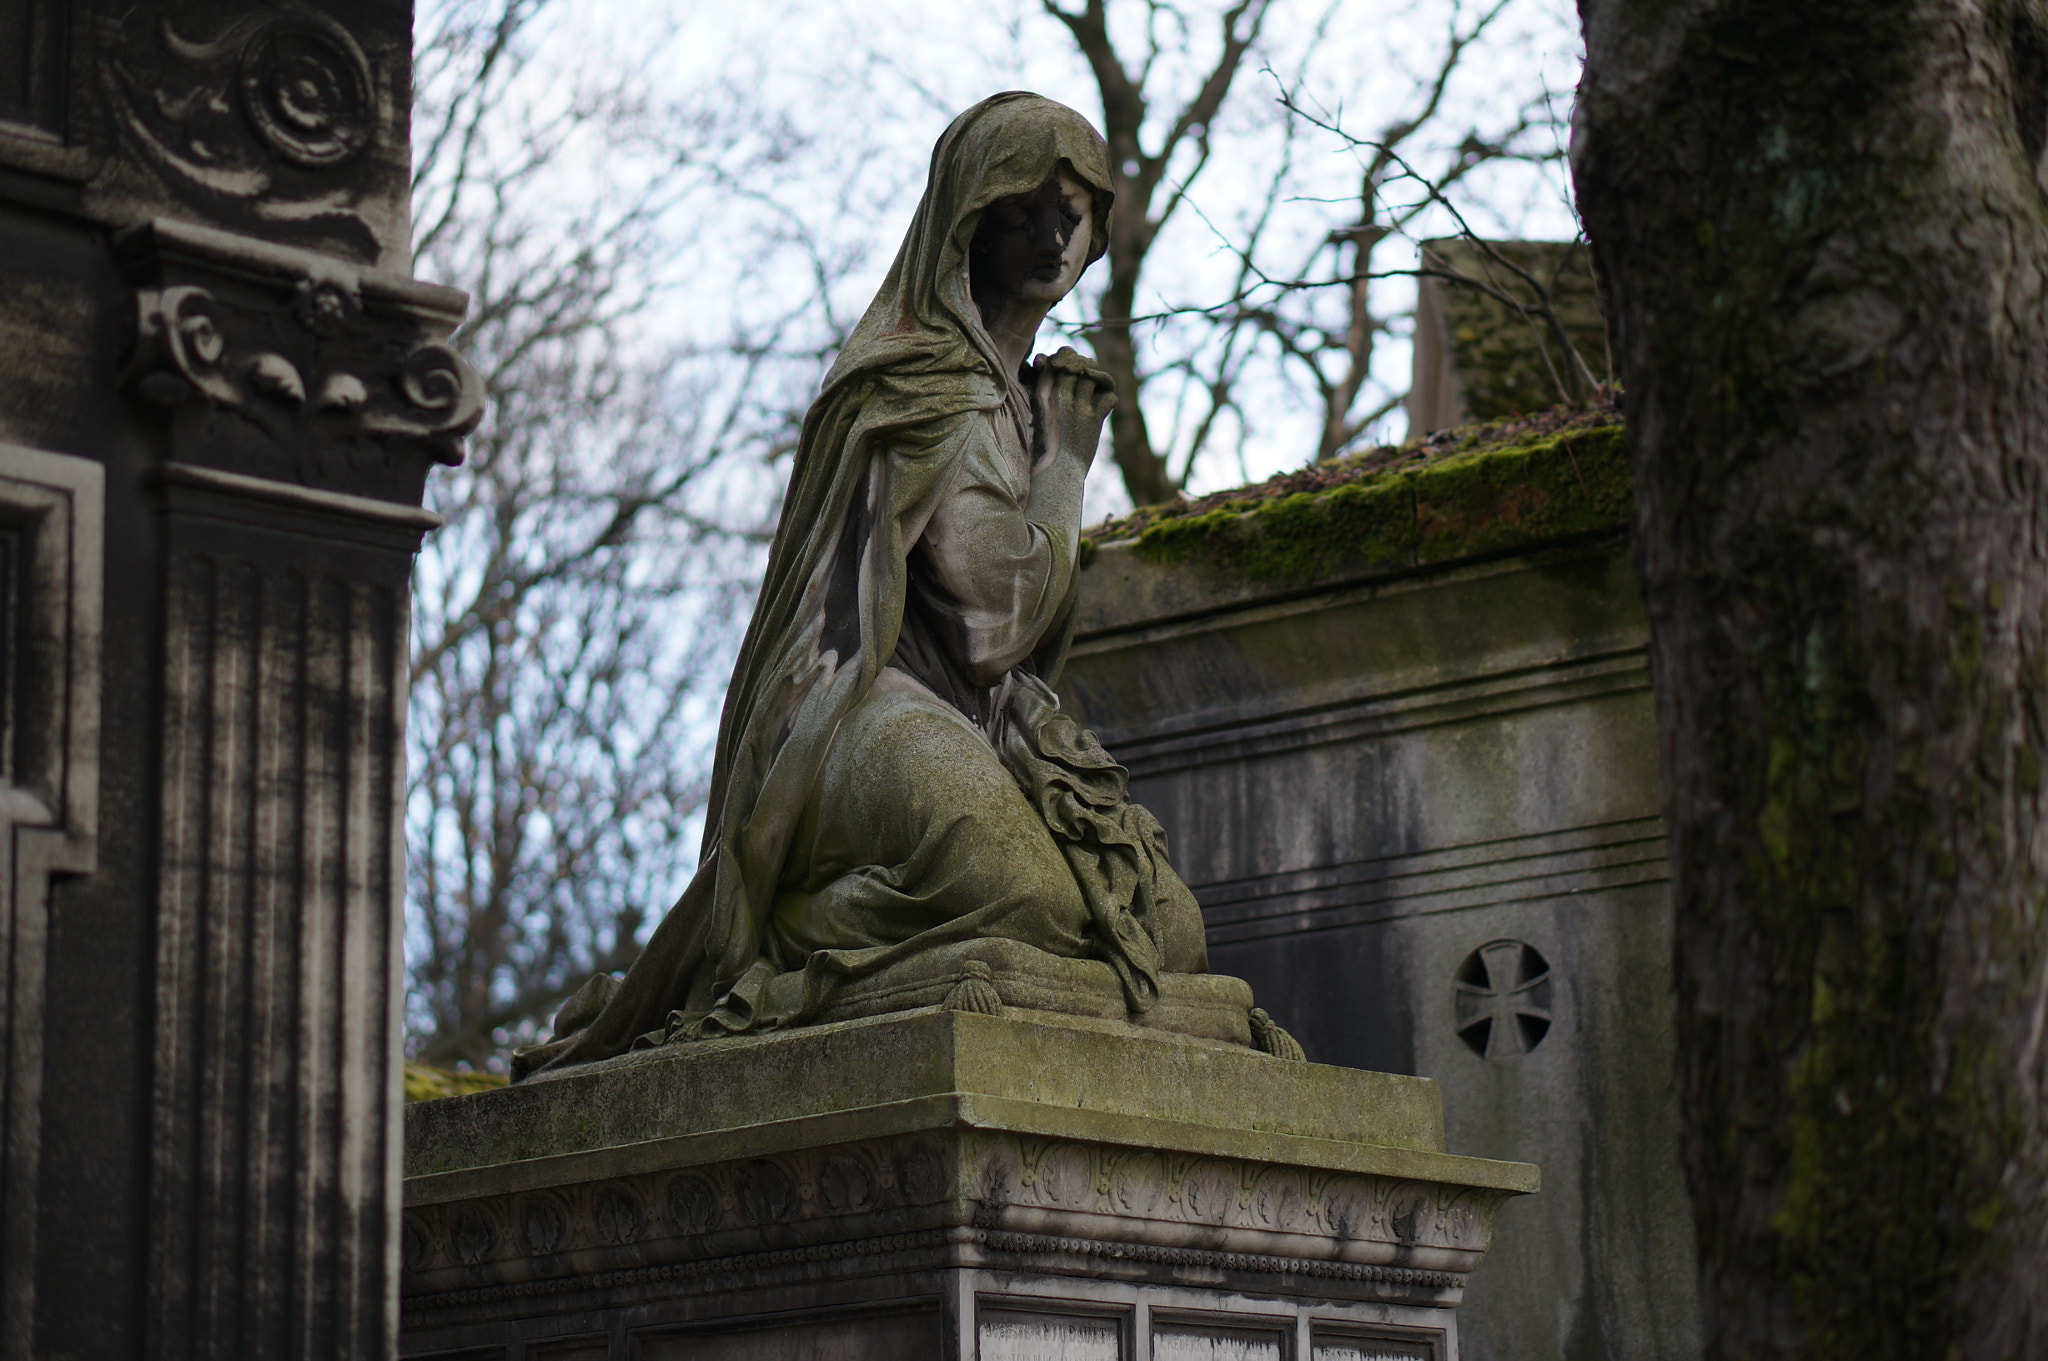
x=424, y=1082
x=1453, y=494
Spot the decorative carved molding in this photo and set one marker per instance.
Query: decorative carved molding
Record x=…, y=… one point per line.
x=51, y=569
x=694, y=1277
x=1263, y=1263
x=1548, y=865
x=1002, y=1192
x=256, y=114
x=189, y=348
x=1501, y=999
x=305, y=86
x=297, y=367
x=1210, y=738
x=727, y=1273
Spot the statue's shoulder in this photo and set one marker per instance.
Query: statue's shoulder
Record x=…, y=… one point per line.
x=925, y=410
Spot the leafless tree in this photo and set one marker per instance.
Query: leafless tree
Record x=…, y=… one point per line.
x=1493, y=270
x=1157, y=156
x=1138, y=167
x=1339, y=363
x=573, y=618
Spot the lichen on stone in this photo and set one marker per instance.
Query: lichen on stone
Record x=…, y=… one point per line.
x=1454, y=494
x=424, y=1082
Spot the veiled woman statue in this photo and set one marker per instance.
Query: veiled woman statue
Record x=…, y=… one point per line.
x=900, y=813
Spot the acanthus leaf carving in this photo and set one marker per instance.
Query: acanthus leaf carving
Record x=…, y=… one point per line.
x=342, y=392
x=275, y=376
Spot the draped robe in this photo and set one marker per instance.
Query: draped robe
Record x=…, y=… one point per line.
x=916, y=419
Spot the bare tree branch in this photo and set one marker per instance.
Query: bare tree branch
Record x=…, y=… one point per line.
x=574, y=616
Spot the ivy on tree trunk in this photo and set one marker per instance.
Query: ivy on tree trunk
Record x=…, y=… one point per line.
x=1823, y=233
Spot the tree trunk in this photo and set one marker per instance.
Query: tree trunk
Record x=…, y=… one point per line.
x=1823, y=231
x=1146, y=476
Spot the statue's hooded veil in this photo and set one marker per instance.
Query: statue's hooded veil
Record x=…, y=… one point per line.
x=870, y=469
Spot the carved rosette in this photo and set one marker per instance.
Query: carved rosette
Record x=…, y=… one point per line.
x=253, y=114
x=984, y=1198
x=298, y=367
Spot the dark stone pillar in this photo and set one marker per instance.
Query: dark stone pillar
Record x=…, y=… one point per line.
x=220, y=396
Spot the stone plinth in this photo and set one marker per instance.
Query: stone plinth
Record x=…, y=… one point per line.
x=942, y=1183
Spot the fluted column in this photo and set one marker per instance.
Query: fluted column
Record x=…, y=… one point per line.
x=221, y=395
x=307, y=402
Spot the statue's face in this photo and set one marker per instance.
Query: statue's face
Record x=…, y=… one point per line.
x=1034, y=246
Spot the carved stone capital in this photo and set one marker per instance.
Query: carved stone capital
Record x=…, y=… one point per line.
x=296, y=367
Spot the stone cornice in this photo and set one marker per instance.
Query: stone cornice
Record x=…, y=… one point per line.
x=961, y=1197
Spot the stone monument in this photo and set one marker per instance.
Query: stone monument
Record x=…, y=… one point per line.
x=222, y=393
x=1399, y=729
x=927, y=1060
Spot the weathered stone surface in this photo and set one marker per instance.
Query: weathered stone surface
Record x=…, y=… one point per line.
x=281, y=364
x=1420, y=809
x=1065, y=1076
x=1017, y=1156
x=893, y=775
x=1490, y=490
x=996, y=972
x=219, y=401
x=1476, y=357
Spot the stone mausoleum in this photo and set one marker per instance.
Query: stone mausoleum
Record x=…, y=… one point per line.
x=1395, y=715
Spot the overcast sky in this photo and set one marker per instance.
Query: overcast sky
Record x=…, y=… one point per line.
x=867, y=85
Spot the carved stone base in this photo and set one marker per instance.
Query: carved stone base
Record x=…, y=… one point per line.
x=1207, y=1006
x=945, y=1184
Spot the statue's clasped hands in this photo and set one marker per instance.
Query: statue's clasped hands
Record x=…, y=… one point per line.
x=1071, y=397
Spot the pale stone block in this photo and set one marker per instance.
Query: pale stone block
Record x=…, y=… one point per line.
x=1024, y=1184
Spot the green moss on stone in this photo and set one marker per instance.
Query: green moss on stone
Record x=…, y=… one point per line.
x=424, y=1082
x=1487, y=501
x=1507, y=360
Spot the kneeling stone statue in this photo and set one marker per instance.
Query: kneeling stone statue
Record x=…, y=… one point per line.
x=901, y=815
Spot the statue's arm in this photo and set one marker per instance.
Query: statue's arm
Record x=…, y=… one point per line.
x=1002, y=560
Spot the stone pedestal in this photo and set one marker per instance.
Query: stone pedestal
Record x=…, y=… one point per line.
x=944, y=1184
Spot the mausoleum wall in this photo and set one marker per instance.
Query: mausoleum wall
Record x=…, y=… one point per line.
x=1398, y=727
